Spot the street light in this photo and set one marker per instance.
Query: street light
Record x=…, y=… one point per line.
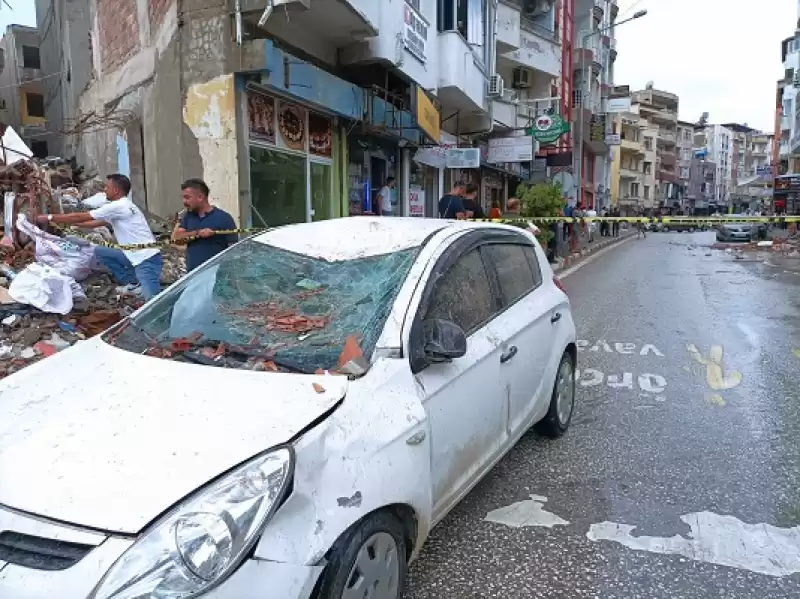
x=584, y=40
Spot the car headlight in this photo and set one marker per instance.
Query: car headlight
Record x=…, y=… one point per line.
x=203, y=539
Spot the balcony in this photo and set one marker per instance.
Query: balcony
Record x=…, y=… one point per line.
x=667, y=158
x=667, y=176
x=337, y=22
x=508, y=28
x=598, y=10
x=614, y=9
x=658, y=115
x=27, y=75
x=629, y=173
x=635, y=147
x=666, y=137
x=462, y=80
x=586, y=52
x=536, y=51
x=505, y=113
x=786, y=123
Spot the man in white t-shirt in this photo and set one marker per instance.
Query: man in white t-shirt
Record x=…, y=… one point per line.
x=384, y=199
x=137, y=271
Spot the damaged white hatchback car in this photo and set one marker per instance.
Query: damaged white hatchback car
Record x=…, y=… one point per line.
x=290, y=420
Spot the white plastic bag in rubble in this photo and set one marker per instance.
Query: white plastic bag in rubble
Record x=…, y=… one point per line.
x=44, y=288
x=70, y=256
x=8, y=219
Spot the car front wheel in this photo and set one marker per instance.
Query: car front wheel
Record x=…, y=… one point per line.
x=562, y=402
x=368, y=560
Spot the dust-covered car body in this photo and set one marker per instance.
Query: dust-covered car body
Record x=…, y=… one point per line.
x=178, y=457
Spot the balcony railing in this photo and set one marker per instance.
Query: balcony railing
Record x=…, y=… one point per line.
x=629, y=173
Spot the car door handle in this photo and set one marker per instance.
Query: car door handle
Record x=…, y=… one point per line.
x=506, y=356
x=555, y=318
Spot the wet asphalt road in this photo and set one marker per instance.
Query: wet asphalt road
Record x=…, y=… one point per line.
x=645, y=459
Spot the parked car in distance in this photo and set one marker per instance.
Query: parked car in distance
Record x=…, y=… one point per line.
x=732, y=231
x=289, y=420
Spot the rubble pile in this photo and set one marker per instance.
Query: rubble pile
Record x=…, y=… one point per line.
x=31, y=186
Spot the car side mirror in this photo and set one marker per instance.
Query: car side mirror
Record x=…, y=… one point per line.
x=444, y=341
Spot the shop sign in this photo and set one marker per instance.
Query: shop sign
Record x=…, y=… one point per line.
x=548, y=128
x=510, y=149
x=618, y=104
x=613, y=139
x=320, y=135
x=292, y=126
x=435, y=156
x=428, y=117
x=416, y=201
x=463, y=158
x=415, y=35
x=261, y=117
x=597, y=128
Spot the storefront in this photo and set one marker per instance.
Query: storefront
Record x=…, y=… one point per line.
x=371, y=161
x=293, y=153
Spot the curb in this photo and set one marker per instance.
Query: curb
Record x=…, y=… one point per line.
x=576, y=257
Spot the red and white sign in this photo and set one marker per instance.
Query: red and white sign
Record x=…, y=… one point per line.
x=416, y=201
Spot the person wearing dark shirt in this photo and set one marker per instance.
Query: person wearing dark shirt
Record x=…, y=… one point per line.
x=200, y=224
x=471, y=204
x=452, y=204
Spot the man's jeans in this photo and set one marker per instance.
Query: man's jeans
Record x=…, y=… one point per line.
x=147, y=273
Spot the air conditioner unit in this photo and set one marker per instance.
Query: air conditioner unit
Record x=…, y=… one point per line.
x=522, y=78
x=496, y=85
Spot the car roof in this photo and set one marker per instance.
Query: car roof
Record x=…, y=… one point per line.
x=355, y=237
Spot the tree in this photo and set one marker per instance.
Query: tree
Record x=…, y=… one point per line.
x=541, y=200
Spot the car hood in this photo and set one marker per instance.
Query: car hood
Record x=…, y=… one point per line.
x=100, y=437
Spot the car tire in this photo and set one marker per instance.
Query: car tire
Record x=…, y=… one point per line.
x=559, y=414
x=379, y=536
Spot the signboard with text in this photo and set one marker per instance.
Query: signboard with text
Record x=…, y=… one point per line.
x=415, y=33
x=510, y=149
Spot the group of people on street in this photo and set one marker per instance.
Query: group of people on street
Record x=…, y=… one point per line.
x=461, y=202
x=610, y=229
x=138, y=271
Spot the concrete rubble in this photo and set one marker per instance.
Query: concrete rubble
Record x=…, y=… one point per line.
x=32, y=186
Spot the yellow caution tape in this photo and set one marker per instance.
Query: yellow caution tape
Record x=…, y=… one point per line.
x=522, y=221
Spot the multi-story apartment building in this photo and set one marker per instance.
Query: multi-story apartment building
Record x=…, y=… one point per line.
x=463, y=74
x=787, y=121
x=700, y=195
x=660, y=109
x=761, y=150
x=301, y=109
x=716, y=142
x=22, y=89
x=684, y=146
x=628, y=168
x=593, y=62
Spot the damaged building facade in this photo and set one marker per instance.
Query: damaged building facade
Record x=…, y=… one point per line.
x=296, y=110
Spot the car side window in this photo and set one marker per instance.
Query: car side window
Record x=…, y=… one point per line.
x=515, y=272
x=463, y=294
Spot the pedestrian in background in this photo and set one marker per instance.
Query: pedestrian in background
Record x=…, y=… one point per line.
x=615, y=224
x=451, y=205
x=471, y=204
x=200, y=225
x=384, y=199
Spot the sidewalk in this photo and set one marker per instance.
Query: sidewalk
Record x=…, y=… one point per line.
x=590, y=248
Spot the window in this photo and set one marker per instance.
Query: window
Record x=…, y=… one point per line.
x=513, y=270
x=35, y=103
x=635, y=190
x=39, y=148
x=684, y=172
x=646, y=192
x=648, y=168
x=648, y=143
x=30, y=58
x=463, y=294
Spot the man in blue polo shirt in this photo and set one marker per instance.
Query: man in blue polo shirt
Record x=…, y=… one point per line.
x=200, y=225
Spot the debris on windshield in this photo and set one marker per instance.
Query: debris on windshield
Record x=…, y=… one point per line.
x=351, y=350
x=308, y=285
x=318, y=388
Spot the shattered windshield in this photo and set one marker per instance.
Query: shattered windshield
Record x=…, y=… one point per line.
x=263, y=308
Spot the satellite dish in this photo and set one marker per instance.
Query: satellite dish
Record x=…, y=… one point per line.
x=566, y=180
